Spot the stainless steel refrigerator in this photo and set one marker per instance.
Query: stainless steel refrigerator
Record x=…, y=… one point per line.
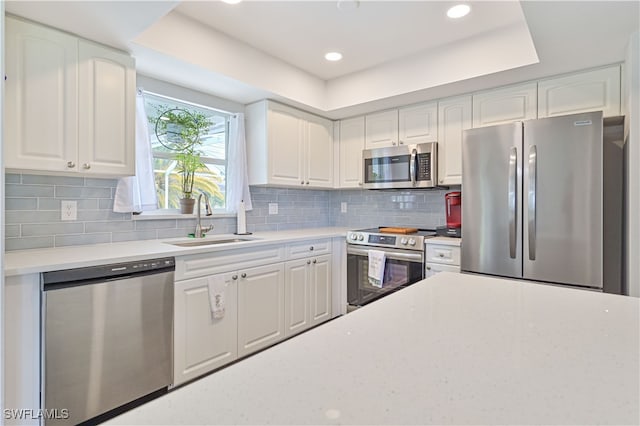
x=542, y=201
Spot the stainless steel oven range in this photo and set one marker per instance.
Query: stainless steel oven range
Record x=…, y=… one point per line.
x=404, y=254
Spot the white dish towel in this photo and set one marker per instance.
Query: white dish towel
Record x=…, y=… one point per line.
x=216, y=285
x=377, y=261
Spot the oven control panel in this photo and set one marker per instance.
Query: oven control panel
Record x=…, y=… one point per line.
x=407, y=242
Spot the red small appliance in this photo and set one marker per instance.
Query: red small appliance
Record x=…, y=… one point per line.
x=453, y=212
x=453, y=202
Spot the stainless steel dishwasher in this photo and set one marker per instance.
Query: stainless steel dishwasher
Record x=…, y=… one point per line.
x=106, y=337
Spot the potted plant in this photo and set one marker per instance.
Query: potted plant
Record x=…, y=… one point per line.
x=179, y=131
x=189, y=162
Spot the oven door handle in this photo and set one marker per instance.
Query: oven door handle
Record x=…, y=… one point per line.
x=415, y=257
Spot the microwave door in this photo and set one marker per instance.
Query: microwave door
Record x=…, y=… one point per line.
x=387, y=171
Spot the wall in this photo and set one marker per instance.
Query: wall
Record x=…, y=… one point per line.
x=2, y=403
x=33, y=218
x=366, y=209
x=631, y=107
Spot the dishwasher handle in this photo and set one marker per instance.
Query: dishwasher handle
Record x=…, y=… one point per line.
x=108, y=272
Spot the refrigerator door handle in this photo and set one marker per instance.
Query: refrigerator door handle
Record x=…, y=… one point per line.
x=412, y=166
x=513, y=184
x=533, y=164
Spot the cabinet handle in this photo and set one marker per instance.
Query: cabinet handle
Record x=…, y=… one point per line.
x=441, y=254
x=401, y=143
x=311, y=248
x=315, y=261
x=308, y=262
x=301, y=182
x=243, y=275
x=393, y=143
x=235, y=277
x=307, y=183
x=360, y=183
x=71, y=164
x=428, y=268
x=86, y=166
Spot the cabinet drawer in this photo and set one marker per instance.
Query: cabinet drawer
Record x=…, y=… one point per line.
x=308, y=248
x=430, y=269
x=216, y=262
x=448, y=255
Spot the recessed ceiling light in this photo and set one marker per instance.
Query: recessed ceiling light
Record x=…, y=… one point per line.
x=333, y=56
x=231, y=1
x=348, y=4
x=458, y=11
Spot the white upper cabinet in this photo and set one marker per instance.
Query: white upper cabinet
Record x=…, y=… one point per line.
x=41, y=109
x=409, y=125
x=505, y=105
x=288, y=147
x=351, y=146
x=107, y=87
x=319, y=152
x=581, y=92
x=70, y=104
x=418, y=124
x=381, y=129
x=454, y=116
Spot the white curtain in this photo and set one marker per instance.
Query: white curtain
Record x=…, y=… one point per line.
x=138, y=193
x=237, y=176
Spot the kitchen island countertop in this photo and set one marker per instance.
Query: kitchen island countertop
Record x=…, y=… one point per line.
x=452, y=349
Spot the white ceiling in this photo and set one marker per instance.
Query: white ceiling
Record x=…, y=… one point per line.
x=376, y=32
x=395, y=52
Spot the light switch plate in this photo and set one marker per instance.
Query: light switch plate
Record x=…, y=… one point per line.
x=69, y=210
x=343, y=207
x=273, y=208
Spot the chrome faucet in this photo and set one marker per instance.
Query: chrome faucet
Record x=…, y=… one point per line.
x=200, y=231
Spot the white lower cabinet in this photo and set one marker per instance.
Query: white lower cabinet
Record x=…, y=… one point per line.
x=203, y=343
x=442, y=255
x=307, y=293
x=260, y=308
x=433, y=268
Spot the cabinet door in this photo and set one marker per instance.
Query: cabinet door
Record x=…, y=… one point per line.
x=286, y=146
x=381, y=129
x=107, y=111
x=260, y=308
x=587, y=91
x=320, y=297
x=454, y=116
x=418, y=124
x=499, y=106
x=351, y=146
x=319, y=153
x=41, y=107
x=296, y=296
x=202, y=343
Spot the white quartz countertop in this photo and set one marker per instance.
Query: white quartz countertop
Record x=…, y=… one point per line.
x=452, y=349
x=22, y=262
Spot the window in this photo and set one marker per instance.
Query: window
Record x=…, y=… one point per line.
x=212, y=147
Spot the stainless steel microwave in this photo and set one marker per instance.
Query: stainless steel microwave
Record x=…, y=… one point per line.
x=404, y=166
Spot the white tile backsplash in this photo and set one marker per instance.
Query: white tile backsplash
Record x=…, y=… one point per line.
x=33, y=212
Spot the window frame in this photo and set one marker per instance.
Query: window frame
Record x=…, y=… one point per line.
x=174, y=213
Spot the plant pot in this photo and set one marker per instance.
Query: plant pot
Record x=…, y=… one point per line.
x=186, y=205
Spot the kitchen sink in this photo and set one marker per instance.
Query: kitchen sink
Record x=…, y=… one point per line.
x=207, y=242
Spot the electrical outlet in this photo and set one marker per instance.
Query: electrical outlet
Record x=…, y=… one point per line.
x=69, y=210
x=273, y=208
x=343, y=207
